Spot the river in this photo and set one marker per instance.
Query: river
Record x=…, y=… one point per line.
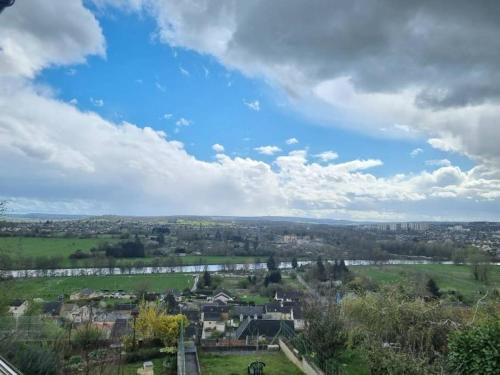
x=186, y=269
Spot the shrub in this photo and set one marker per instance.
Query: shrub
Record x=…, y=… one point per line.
x=474, y=350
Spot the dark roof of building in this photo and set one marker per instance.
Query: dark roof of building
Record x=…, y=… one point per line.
x=291, y=295
x=212, y=316
x=222, y=291
x=214, y=308
x=276, y=307
x=125, y=306
x=268, y=328
x=247, y=310
x=52, y=308
x=298, y=313
x=16, y=302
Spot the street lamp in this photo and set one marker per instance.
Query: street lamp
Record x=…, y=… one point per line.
x=6, y=3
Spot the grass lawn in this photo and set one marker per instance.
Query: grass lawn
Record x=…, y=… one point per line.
x=131, y=368
x=39, y=246
x=447, y=276
x=51, y=287
x=216, y=259
x=218, y=364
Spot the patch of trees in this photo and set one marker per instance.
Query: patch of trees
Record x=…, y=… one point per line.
x=127, y=249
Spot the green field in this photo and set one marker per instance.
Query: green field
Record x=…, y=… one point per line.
x=51, y=287
x=40, y=246
x=217, y=364
x=32, y=247
x=447, y=276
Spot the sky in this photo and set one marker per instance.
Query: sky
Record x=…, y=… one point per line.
x=360, y=110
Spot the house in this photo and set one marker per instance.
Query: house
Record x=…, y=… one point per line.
x=252, y=328
x=75, y=314
x=18, y=307
x=293, y=296
x=244, y=312
x=85, y=293
x=297, y=315
x=214, y=319
x=222, y=296
x=277, y=311
x=52, y=309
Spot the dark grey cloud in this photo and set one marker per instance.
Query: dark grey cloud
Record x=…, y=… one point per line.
x=450, y=48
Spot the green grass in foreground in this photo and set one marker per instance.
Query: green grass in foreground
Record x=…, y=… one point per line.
x=51, y=287
x=447, y=276
x=48, y=247
x=217, y=364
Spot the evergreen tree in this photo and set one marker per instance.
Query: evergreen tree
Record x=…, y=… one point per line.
x=294, y=263
x=432, y=288
x=320, y=270
x=271, y=264
x=207, y=280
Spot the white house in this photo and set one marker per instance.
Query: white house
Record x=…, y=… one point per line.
x=18, y=307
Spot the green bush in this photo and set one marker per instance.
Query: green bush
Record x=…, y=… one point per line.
x=143, y=355
x=475, y=350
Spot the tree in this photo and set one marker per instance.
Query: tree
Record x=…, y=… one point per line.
x=324, y=329
x=474, y=350
x=153, y=323
x=207, y=280
x=86, y=339
x=141, y=289
x=320, y=270
x=161, y=239
x=432, y=288
x=294, y=263
x=271, y=263
x=480, y=266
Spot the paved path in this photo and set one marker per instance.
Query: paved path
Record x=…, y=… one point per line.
x=195, y=285
x=306, y=285
x=191, y=364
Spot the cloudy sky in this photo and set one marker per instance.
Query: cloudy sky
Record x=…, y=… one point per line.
x=364, y=110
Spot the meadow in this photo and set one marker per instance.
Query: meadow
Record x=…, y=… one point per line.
x=47, y=247
x=51, y=287
x=447, y=276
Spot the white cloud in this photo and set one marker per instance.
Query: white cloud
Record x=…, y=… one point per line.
x=73, y=101
x=160, y=87
x=218, y=148
x=168, y=116
x=206, y=71
x=183, y=122
x=327, y=156
x=438, y=163
x=80, y=162
x=33, y=36
x=267, y=150
x=184, y=72
x=415, y=152
x=97, y=102
x=54, y=157
x=253, y=105
x=292, y=141
x=327, y=81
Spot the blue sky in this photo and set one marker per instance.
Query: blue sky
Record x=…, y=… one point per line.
x=149, y=107
x=140, y=81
